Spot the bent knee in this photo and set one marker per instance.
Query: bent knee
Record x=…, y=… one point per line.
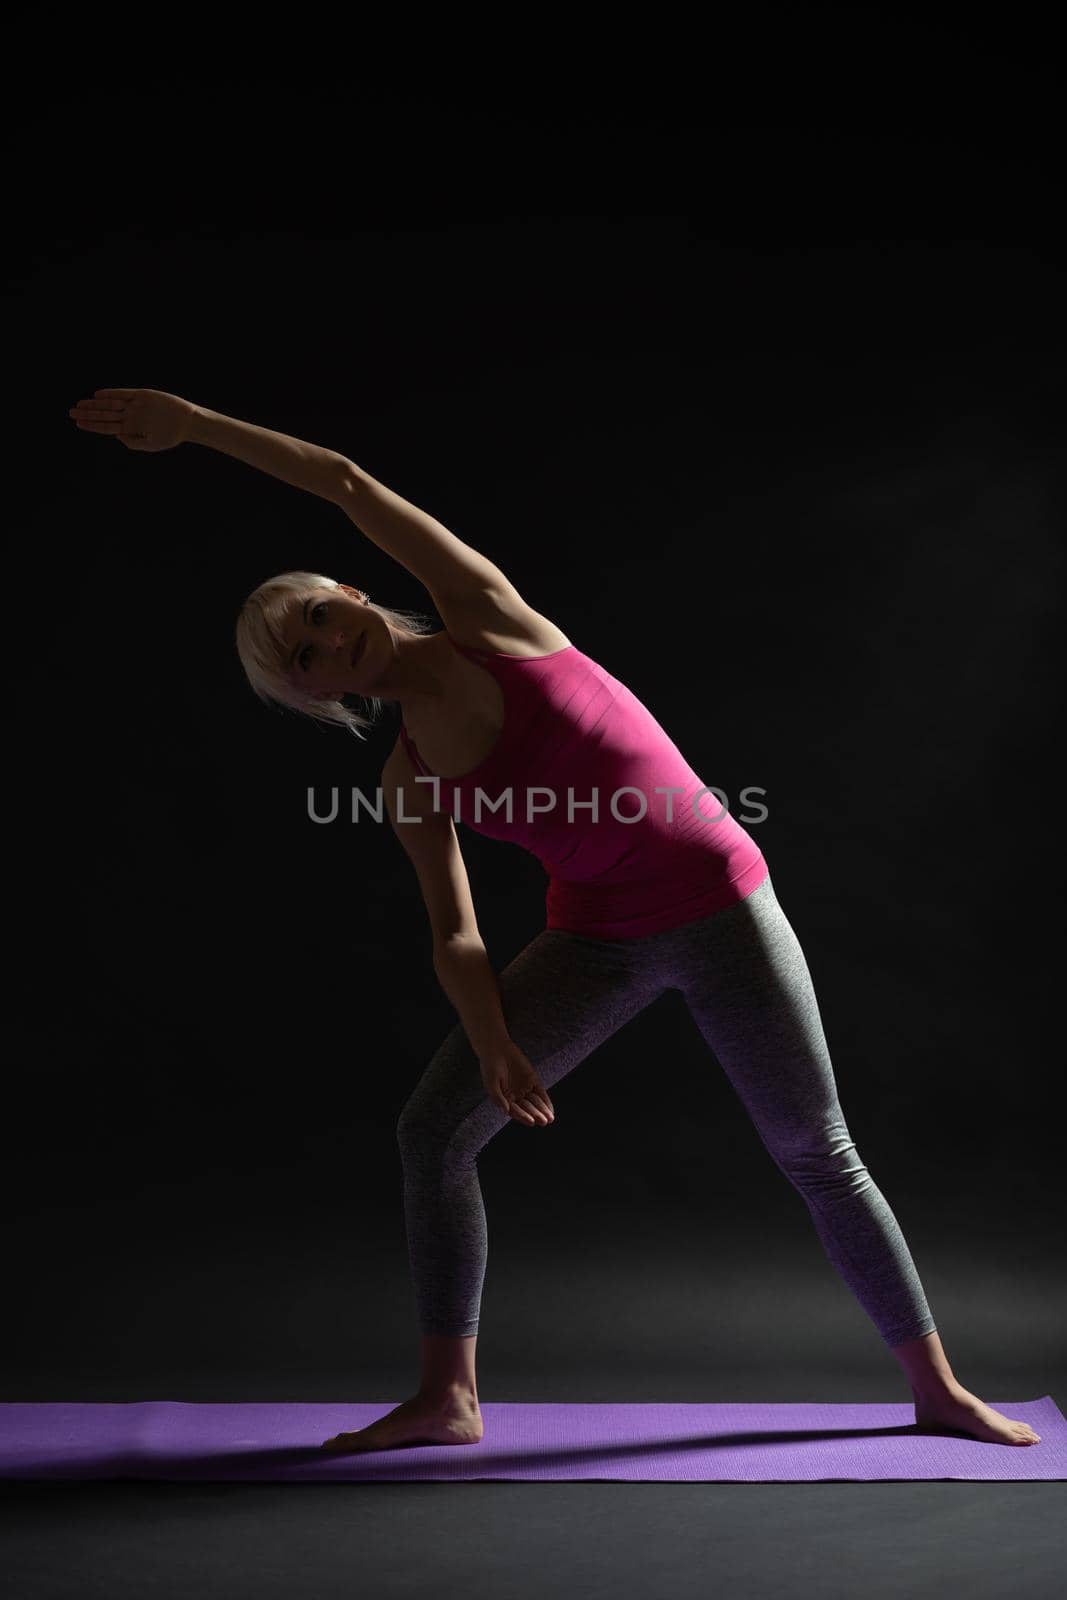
x=424, y=1125
x=825, y=1168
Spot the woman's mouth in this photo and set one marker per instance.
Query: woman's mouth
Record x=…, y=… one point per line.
x=358, y=651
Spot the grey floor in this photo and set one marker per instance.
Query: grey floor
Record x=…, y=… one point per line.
x=115, y=1541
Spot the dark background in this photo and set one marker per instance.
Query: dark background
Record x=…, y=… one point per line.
x=763, y=404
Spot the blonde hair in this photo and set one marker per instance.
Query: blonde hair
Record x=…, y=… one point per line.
x=261, y=647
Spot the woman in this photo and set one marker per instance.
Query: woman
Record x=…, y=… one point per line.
x=642, y=896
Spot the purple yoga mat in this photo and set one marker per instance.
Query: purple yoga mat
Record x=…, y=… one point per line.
x=674, y=1442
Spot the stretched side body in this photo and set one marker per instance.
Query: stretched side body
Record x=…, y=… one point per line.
x=477, y=601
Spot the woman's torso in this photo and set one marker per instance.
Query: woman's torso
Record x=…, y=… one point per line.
x=456, y=733
x=529, y=709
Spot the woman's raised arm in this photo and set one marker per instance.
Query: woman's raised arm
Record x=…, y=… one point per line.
x=443, y=564
x=151, y=420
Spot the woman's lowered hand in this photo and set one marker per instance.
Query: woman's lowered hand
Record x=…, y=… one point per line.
x=512, y=1083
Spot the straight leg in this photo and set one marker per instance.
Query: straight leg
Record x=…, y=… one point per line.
x=747, y=985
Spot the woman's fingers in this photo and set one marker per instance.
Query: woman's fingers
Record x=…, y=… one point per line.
x=102, y=415
x=518, y=1110
x=108, y=399
x=539, y=1101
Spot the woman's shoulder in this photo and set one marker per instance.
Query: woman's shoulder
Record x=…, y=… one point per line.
x=501, y=622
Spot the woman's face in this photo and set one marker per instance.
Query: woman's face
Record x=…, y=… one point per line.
x=334, y=643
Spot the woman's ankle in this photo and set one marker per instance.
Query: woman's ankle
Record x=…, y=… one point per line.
x=925, y=1364
x=456, y=1393
x=934, y=1389
x=447, y=1366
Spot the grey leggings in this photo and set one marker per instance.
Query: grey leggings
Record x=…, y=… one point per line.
x=745, y=980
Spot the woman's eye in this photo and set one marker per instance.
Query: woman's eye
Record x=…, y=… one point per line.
x=319, y=606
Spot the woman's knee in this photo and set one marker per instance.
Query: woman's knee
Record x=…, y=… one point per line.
x=425, y=1119
x=408, y=1123
x=823, y=1161
x=441, y=1102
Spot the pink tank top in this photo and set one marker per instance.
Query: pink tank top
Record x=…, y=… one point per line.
x=643, y=860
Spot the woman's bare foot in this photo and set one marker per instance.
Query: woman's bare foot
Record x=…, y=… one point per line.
x=959, y=1409
x=452, y=1419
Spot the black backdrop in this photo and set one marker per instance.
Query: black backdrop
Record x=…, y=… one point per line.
x=766, y=412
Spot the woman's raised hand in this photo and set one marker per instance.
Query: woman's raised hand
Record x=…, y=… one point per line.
x=142, y=419
x=513, y=1085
